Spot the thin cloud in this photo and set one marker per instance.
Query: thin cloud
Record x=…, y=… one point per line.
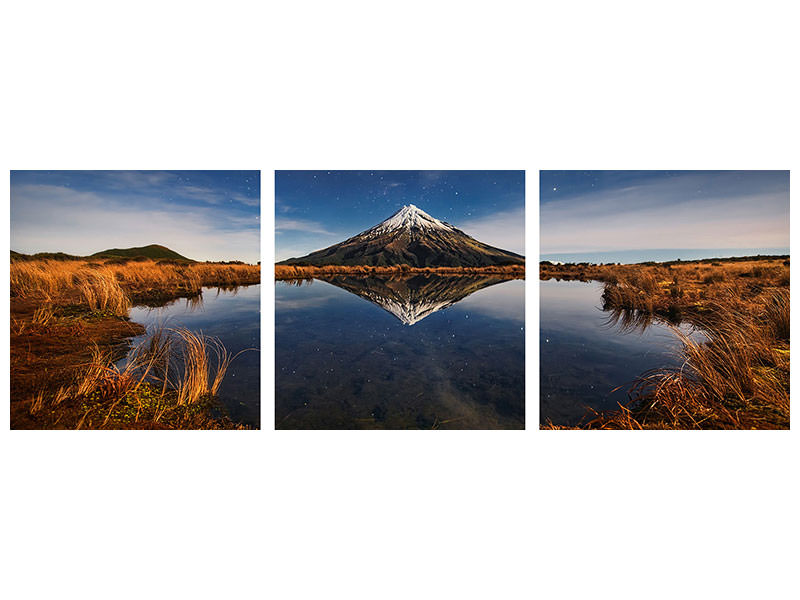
x=504, y=230
x=135, y=179
x=49, y=218
x=295, y=252
x=166, y=184
x=246, y=200
x=202, y=194
x=303, y=226
x=283, y=206
x=666, y=214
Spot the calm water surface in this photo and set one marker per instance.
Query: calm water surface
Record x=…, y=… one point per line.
x=585, y=353
x=426, y=352
x=233, y=316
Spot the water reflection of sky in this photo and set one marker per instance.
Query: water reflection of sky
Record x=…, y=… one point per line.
x=343, y=362
x=501, y=301
x=317, y=293
x=584, y=357
x=233, y=316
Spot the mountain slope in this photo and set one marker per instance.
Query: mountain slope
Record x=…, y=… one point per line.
x=410, y=237
x=153, y=251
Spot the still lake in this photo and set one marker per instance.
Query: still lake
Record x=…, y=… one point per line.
x=400, y=353
x=233, y=316
x=585, y=353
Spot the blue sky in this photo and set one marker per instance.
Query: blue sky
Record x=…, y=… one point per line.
x=315, y=209
x=628, y=216
x=203, y=215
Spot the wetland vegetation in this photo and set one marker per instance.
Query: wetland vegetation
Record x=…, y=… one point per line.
x=71, y=330
x=734, y=376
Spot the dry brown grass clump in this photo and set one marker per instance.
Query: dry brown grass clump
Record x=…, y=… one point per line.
x=736, y=378
x=169, y=380
x=102, y=292
x=205, y=362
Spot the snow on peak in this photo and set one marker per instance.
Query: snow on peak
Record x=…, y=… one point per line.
x=408, y=310
x=410, y=217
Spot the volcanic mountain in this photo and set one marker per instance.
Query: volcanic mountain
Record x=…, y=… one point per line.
x=410, y=237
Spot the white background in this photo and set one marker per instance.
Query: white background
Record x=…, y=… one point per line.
x=411, y=85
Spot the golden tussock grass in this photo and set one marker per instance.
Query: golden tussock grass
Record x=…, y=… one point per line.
x=735, y=378
x=677, y=290
x=112, y=285
x=43, y=316
x=101, y=291
x=167, y=374
x=737, y=375
x=205, y=363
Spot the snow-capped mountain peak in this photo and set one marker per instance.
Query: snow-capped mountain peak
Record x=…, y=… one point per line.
x=410, y=237
x=410, y=217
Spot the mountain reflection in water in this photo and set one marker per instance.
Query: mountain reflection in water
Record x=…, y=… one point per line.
x=343, y=364
x=411, y=299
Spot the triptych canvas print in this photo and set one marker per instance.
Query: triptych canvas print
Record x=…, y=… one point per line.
x=400, y=300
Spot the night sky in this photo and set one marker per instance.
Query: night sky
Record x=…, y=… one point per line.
x=631, y=216
x=204, y=215
x=315, y=209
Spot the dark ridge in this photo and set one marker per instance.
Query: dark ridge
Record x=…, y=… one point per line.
x=729, y=259
x=153, y=251
x=652, y=263
x=43, y=256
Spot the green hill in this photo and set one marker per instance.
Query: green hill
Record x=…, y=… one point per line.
x=154, y=251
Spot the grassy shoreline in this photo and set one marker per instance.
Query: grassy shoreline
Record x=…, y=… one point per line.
x=69, y=325
x=739, y=377
x=283, y=272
